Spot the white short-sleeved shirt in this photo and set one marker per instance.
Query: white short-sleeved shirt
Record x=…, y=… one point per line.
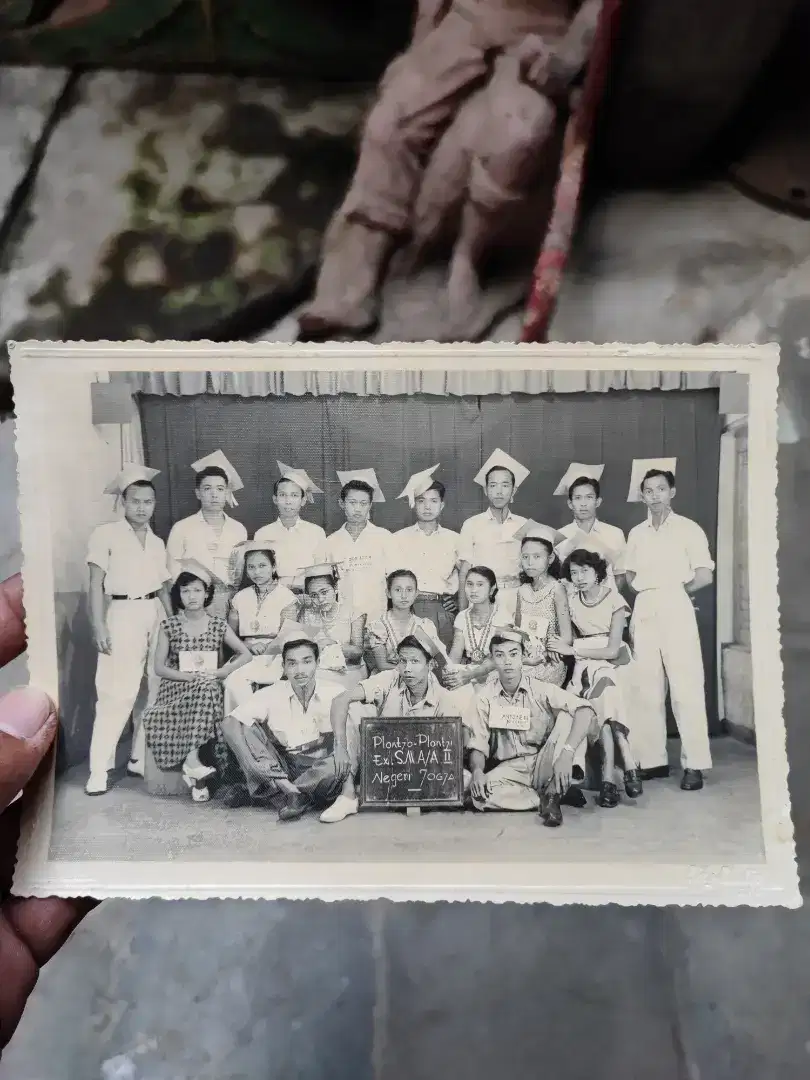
x=194, y=538
x=130, y=568
x=668, y=556
x=433, y=557
x=612, y=537
x=281, y=712
x=261, y=617
x=388, y=694
x=486, y=541
x=364, y=563
x=294, y=548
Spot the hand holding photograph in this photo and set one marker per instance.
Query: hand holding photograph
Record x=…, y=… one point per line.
x=465, y=622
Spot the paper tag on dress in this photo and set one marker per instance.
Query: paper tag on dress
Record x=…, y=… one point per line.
x=536, y=626
x=509, y=717
x=199, y=661
x=358, y=562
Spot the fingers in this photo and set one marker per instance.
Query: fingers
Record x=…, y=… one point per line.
x=44, y=925
x=27, y=730
x=31, y=932
x=12, y=626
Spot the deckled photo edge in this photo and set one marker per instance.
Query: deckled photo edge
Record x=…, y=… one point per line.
x=37, y=875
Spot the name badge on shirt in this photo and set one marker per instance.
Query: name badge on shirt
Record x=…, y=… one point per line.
x=509, y=717
x=202, y=661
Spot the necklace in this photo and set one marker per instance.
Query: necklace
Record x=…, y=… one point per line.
x=255, y=626
x=392, y=636
x=591, y=603
x=477, y=642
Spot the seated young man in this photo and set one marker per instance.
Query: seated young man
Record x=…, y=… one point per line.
x=282, y=739
x=410, y=689
x=530, y=729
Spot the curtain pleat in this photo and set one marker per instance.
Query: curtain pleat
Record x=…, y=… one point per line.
x=251, y=384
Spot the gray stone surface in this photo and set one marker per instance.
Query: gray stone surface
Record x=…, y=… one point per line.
x=205, y=991
x=27, y=97
x=163, y=204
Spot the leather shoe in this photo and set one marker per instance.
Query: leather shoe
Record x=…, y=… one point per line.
x=633, y=787
x=692, y=780
x=575, y=797
x=551, y=811
x=660, y=772
x=294, y=808
x=608, y=795
x=236, y=797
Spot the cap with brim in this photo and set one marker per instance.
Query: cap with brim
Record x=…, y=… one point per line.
x=498, y=459
x=318, y=570
x=129, y=474
x=510, y=633
x=418, y=484
x=434, y=648
x=217, y=460
x=640, y=468
x=300, y=477
x=578, y=471
x=533, y=530
x=192, y=566
x=368, y=476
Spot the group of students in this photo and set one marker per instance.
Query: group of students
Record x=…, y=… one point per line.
x=264, y=655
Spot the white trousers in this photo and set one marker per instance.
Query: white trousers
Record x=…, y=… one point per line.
x=132, y=626
x=666, y=643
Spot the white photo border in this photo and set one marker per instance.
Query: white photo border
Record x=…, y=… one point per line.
x=37, y=369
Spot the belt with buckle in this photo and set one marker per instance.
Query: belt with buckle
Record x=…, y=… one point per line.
x=429, y=596
x=149, y=596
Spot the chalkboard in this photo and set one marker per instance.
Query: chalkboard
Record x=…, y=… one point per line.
x=412, y=762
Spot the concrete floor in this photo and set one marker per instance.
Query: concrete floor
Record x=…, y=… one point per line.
x=129, y=822
x=237, y=990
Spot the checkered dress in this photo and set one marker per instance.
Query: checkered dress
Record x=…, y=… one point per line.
x=186, y=715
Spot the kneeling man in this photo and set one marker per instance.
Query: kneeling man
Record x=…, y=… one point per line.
x=410, y=689
x=282, y=739
x=530, y=729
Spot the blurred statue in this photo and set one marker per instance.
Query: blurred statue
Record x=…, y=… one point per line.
x=465, y=122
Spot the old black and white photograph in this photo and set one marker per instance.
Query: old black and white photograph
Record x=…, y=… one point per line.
x=442, y=621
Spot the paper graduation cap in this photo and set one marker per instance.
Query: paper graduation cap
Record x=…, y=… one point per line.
x=417, y=485
x=219, y=461
x=128, y=475
x=499, y=460
x=326, y=569
x=537, y=531
x=191, y=566
x=300, y=477
x=575, y=471
x=589, y=542
x=368, y=476
x=641, y=466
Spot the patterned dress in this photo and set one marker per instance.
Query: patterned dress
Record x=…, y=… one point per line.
x=187, y=715
x=535, y=610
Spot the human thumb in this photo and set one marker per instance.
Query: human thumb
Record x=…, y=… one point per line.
x=27, y=729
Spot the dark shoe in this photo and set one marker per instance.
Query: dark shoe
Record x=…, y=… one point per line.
x=236, y=796
x=692, y=780
x=574, y=797
x=633, y=786
x=294, y=808
x=608, y=795
x=660, y=772
x=551, y=811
